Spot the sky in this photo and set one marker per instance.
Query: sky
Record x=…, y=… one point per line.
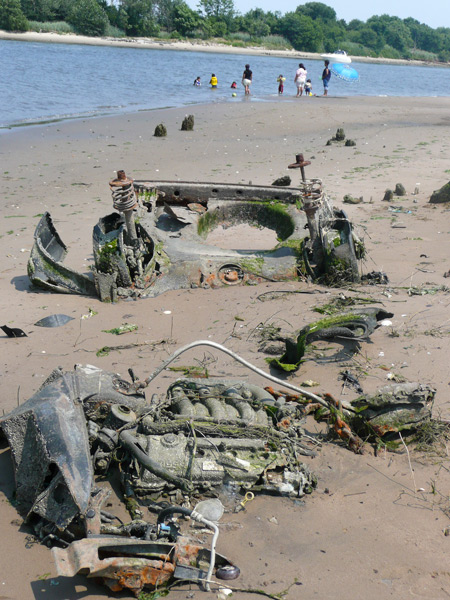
x=435, y=13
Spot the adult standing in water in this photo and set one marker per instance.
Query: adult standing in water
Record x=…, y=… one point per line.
x=247, y=78
x=326, y=76
x=300, y=78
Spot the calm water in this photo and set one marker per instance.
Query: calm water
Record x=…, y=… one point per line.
x=46, y=81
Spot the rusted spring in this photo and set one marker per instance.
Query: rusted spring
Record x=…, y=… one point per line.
x=312, y=189
x=123, y=195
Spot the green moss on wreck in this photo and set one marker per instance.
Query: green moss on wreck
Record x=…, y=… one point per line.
x=49, y=268
x=105, y=254
x=360, y=248
x=298, y=247
x=254, y=265
x=337, y=271
x=207, y=222
x=295, y=349
x=295, y=244
x=160, y=255
x=30, y=269
x=272, y=214
x=331, y=321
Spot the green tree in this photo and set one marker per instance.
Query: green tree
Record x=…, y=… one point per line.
x=367, y=37
x=303, y=33
x=444, y=41
x=393, y=30
x=60, y=9
x=164, y=13
x=333, y=35
x=317, y=10
x=38, y=10
x=219, y=9
x=423, y=36
x=398, y=36
x=11, y=16
x=355, y=25
x=88, y=17
x=258, y=23
x=259, y=29
x=142, y=17
x=185, y=20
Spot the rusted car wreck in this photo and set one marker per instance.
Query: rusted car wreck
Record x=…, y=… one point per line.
x=204, y=436
x=156, y=241
x=207, y=440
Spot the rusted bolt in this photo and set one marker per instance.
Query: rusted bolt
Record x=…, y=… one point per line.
x=300, y=163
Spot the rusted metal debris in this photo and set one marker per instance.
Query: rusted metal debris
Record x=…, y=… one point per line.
x=204, y=435
x=157, y=239
x=300, y=163
x=133, y=564
x=201, y=438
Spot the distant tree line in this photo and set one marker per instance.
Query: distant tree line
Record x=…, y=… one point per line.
x=312, y=27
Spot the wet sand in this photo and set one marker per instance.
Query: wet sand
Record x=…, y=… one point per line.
x=373, y=528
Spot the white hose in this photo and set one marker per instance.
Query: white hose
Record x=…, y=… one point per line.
x=177, y=353
x=212, y=561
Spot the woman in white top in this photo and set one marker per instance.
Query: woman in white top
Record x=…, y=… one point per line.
x=300, y=78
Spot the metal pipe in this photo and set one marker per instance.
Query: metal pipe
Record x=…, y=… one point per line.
x=212, y=561
x=143, y=384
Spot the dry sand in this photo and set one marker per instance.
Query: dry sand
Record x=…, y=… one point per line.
x=367, y=532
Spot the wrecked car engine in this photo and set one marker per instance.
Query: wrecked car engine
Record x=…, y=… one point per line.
x=204, y=436
x=157, y=239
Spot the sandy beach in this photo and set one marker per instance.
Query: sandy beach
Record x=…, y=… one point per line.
x=213, y=46
x=375, y=527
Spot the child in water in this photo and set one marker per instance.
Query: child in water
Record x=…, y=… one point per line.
x=281, y=81
x=233, y=85
x=197, y=82
x=308, y=87
x=213, y=82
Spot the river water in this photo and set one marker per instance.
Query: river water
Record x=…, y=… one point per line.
x=44, y=81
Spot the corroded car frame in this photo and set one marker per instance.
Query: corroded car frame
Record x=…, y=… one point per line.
x=166, y=248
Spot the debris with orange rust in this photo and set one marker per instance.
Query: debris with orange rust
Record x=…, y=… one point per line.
x=132, y=564
x=341, y=427
x=343, y=430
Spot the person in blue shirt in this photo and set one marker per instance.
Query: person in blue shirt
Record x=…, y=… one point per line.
x=326, y=76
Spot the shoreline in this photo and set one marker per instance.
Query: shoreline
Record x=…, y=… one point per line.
x=192, y=46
